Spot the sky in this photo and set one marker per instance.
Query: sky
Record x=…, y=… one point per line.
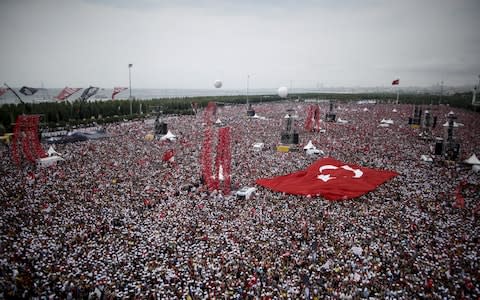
x=191, y=43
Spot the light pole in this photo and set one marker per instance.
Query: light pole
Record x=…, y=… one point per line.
x=248, y=81
x=248, y=85
x=130, y=85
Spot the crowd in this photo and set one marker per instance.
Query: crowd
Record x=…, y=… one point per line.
x=115, y=221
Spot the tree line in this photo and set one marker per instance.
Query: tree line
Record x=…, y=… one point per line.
x=69, y=114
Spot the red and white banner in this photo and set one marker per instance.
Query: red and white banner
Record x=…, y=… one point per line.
x=329, y=178
x=67, y=92
x=117, y=90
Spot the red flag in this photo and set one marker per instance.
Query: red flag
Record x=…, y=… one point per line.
x=169, y=155
x=329, y=178
x=396, y=82
x=117, y=90
x=459, y=200
x=67, y=92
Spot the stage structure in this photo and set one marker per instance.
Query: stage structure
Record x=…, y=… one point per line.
x=216, y=177
x=448, y=147
x=26, y=142
x=331, y=116
x=289, y=135
x=416, y=119
x=160, y=127
x=312, y=122
x=475, y=102
x=428, y=123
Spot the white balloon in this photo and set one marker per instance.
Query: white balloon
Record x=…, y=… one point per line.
x=217, y=84
x=283, y=92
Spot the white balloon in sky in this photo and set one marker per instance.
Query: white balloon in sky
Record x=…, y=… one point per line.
x=217, y=84
x=283, y=92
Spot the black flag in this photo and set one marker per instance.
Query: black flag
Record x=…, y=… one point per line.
x=28, y=91
x=87, y=93
x=16, y=95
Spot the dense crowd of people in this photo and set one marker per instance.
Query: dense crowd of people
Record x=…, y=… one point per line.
x=115, y=221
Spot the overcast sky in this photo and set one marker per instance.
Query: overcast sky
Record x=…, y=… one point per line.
x=191, y=43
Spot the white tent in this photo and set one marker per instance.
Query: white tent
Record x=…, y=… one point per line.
x=341, y=121
x=48, y=161
x=246, y=192
x=309, y=146
x=52, y=151
x=169, y=136
x=365, y=109
x=455, y=124
x=394, y=110
x=472, y=160
x=258, y=146
x=387, y=121
x=426, y=158
x=314, y=152
x=259, y=117
x=310, y=149
x=218, y=122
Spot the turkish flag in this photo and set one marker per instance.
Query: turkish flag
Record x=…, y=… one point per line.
x=329, y=178
x=169, y=155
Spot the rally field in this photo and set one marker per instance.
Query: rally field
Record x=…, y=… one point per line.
x=116, y=221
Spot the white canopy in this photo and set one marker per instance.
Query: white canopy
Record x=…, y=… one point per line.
x=472, y=160
x=455, y=124
x=314, y=151
x=394, y=110
x=52, y=151
x=246, y=192
x=387, y=121
x=309, y=146
x=169, y=136
x=259, y=117
x=258, y=146
x=426, y=158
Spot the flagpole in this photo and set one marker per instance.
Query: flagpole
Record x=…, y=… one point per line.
x=130, y=85
x=398, y=93
x=18, y=97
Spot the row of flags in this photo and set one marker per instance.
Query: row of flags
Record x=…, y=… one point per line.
x=87, y=93
x=64, y=94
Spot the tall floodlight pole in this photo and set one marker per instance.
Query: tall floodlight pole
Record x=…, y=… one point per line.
x=130, y=85
x=248, y=83
x=441, y=92
x=475, y=91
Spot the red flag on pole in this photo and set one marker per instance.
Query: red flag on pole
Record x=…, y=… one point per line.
x=117, y=90
x=396, y=82
x=66, y=92
x=329, y=178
